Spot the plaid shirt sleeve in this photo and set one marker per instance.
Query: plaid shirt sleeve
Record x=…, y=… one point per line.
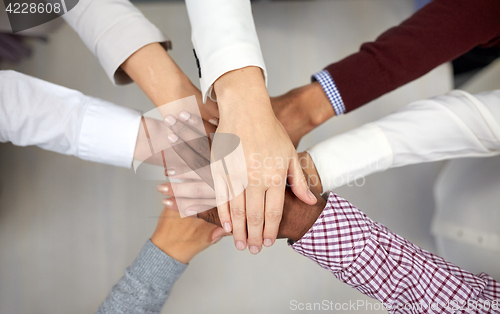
x=326, y=81
x=381, y=264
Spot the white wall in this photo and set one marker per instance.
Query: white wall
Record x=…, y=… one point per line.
x=68, y=228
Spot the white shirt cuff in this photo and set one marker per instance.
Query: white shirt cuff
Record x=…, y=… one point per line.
x=351, y=156
x=109, y=133
x=224, y=61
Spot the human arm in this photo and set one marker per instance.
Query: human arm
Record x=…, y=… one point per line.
x=146, y=284
x=130, y=48
x=438, y=33
x=232, y=69
x=452, y=126
x=55, y=118
x=113, y=30
x=383, y=265
x=377, y=262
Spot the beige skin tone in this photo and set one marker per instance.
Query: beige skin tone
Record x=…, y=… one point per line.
x=195, y=196
x=240, y=93
x=183, y=238
x=159, y=77
x=254, y=215
x=302, y=109
x=297, y=219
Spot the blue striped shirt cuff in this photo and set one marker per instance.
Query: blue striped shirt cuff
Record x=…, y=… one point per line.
x=325, y=80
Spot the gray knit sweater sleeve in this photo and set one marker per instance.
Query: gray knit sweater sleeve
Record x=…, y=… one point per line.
x=146, y=284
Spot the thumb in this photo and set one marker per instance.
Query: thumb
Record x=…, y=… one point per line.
x=218, y=234
x=298, y=182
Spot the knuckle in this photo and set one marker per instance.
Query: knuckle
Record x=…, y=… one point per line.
x=197, y=190
x=222, y=198
x=180, y=128
x=238, y=213
x=202, y=145
x=273, y=215
x=277, y=180
x=254, y=219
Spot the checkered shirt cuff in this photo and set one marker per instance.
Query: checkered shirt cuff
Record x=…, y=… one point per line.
x=383, y=265
x=325, y=80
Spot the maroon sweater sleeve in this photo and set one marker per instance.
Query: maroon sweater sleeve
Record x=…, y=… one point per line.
x=438, y=33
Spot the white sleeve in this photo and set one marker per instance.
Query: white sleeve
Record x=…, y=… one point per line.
x=113, y=30
x=451, y=126
x=55, y=118
x=224, y=38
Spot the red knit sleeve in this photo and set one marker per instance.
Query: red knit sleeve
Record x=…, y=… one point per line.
x=438, y=33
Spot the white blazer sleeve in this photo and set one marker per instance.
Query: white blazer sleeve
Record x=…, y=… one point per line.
x=113, y=30
x=451, y=126
x=58, y=119
x=224, y=38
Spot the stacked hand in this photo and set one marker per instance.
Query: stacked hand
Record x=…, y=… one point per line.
x=195, y=195
x=270, y=159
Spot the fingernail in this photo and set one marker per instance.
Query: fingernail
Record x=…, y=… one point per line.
x=254, y=250
x=184, y=115
x=162, y=188
x=227, y=227
x=170, y=172
x=268, y=242
x=214, y=121
x=216, y=240
x=311, y=195
x=240, y=245
x=167, y=203
x=173, y=138
x=191, y=213
x=170, y=119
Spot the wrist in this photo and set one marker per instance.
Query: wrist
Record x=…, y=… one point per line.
x=178, y=250
x=313, y=100
x=242, y=90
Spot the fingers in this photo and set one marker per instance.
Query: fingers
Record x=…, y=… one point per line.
x=192, y=189
x=196, y=162
x=275, y=197
x=209, y=110
x=181, y=172
x=255, y=218
x=218, y=234
x=189, y=206
x=238, y=218
x=198, y=142
x=222, y=201
x=298, y=182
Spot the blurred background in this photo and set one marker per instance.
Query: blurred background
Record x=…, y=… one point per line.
x=69, y=228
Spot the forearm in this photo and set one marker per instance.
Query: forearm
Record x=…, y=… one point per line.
x=146, y=284
x=159, y=77
x=440, y=32
x=113, y=30
x=55, y=118
x=385, y=266
x=452, y=126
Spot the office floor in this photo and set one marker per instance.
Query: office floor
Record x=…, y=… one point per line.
x=68, y=228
